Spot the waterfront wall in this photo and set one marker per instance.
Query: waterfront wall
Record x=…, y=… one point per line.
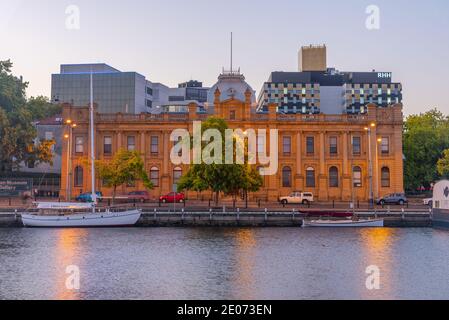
x=254, y=219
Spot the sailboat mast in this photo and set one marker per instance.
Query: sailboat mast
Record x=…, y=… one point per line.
x=92, y=139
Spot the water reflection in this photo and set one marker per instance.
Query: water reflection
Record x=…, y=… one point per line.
x=245, y=256
x=183, y=263
x=68, y=252
x=376, y=245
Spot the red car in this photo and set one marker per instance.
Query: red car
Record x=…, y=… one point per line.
x=173, y=197
x=141, y=196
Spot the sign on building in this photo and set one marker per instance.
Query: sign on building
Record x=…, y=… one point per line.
x=15, y=187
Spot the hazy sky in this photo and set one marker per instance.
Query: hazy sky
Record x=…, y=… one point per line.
x=171, y=41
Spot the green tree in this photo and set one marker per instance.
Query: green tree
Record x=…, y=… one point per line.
x=18, y=142
x=41, y=108
x=126, y=167
x=227, y=178
x=426, y=136
x=443, y=164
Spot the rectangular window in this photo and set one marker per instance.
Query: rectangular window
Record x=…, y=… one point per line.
x=260, y=144
x=357, y=177
x=232, y=115
x=385, y=146
x=79, y=144
x=333, y=149
x=131, y=143
x=107, y=147
x=155, y=145
x=356, y=146
x=287, y=145
x=49, y=135
x=310, y=179
x=310, y=145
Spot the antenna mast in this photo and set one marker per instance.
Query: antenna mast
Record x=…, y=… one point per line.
x=231, y=52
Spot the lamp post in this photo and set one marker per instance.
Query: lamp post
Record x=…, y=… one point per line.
x=379, y=141
x=370, y=166
x=69, y=138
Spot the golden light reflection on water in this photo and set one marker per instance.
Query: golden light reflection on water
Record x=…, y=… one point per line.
x=245, y=258
x=377, y=251
x=68, y=252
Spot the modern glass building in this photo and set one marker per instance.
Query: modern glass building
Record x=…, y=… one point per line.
x=113, y=91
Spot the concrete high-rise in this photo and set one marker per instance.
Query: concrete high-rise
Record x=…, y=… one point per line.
x=312, y=58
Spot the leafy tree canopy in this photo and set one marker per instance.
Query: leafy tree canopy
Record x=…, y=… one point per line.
x=17, y=133
x=226, y=178
x=126, y=167
x=443, y=165
x=426, y=136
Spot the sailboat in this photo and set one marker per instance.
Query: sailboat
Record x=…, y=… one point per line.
x=80, y=215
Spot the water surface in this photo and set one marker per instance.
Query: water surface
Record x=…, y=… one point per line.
x=177, y=263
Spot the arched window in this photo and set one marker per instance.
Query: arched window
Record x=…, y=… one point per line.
x=357, y=177
x=286, y=177
x=177, y=174
x=154, y=176
x=333, y=177
x=79, y=175
x=310, y=177
x=385, y=177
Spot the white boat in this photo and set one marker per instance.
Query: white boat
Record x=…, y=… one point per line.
x=78, y=215
x=373, y=223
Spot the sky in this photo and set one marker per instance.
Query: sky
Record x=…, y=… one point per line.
x=172, y=41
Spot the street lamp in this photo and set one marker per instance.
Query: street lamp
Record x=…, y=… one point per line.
x=69, y=138
x=370, y=165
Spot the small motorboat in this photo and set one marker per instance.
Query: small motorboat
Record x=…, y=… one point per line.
x=78, y=215
x=372, y=223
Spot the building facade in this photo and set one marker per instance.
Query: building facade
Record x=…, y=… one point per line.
x=116, y=91
x=316, y=89
x=46, y=176
x=327, y=154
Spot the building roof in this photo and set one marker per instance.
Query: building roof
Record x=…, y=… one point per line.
x=51, y=121
x=331, y=77
x=231, y=84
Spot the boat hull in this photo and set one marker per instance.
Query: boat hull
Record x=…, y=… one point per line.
x=376, y=223
x=330, y=214
x=88, y=220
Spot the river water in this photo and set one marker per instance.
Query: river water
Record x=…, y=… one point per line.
x=177, y=263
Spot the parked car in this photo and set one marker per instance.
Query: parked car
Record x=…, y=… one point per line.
x=173, y=197
x=297, y=198
x=394, y=198
x=428, y=202
x=140, y=196
x=87, y=197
